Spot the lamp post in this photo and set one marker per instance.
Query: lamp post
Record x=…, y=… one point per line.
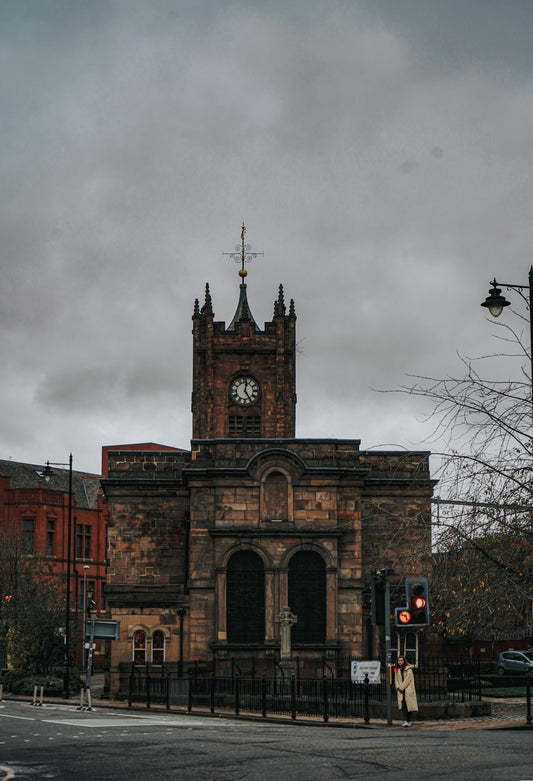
x=47, y=476
x=495, y=303
x=84, y=625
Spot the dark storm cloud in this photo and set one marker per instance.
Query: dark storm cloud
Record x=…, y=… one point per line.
x=379, y=153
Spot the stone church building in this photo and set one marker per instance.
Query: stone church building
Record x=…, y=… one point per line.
x=206, y=546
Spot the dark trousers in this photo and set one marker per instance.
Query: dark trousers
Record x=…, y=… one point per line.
x=405, y=712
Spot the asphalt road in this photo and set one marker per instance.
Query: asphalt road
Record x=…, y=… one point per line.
x=60, y=742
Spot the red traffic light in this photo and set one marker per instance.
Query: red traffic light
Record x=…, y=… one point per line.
x=404, y=616
x=419, y=603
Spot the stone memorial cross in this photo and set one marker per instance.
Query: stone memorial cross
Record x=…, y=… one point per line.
x=286, y=619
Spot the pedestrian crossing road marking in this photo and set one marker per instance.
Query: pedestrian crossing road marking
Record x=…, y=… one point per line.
x=123, y=722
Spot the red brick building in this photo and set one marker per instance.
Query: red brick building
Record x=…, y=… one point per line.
x=207, y=545
x=38, y=511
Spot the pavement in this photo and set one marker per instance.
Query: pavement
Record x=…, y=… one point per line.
x=509, y=713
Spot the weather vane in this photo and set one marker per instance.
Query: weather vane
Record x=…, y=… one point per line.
x=243, y=254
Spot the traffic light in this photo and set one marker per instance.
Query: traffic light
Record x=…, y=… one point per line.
x=378, y=603
x=416, y=612
x=417, y=590
x=402, y=617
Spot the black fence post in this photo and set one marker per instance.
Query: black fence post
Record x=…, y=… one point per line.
x=528, y=699
x=189, y=698
x=212, y=692
x=237, y=694
x=366, y=713
x=293, y=698
x=132, y=684
x=325, y=698
x=148, y=688
x=167, y=690
x=353, y=691
x=264, y=696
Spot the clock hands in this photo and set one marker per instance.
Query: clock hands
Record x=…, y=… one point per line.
x=249, y=391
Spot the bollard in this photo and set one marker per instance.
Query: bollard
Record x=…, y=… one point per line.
x=366, y=684
x=528, y=699
x=1, y=691
x=40, y=703
x=80, y=706
x=325, y=698
x=34, y=702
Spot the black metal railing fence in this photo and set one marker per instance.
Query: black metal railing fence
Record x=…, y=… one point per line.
x=277, y=694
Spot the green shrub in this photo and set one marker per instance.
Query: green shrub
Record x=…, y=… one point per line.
x=21, y=682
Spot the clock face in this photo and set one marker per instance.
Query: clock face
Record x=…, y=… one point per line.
x=244, y=390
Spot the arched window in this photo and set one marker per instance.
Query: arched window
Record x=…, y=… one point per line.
x=158, y=647
x=406, y=645
x=276, y=506
x=139, y=647
x=245, y=595
x=307, y=597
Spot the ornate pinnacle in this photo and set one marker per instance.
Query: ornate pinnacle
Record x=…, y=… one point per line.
x=207, y=308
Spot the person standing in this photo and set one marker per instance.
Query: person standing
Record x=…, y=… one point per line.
x=406, y=691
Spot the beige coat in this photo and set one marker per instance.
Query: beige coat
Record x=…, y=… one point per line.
x=407, y=687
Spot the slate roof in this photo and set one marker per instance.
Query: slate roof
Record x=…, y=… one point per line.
x=85, y=485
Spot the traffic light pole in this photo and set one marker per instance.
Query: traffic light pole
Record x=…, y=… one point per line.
x=388, y=652
x=383, y=576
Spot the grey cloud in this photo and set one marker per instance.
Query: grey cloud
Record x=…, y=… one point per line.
x=379, y=154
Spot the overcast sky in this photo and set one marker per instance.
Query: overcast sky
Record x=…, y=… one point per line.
x=380, y=153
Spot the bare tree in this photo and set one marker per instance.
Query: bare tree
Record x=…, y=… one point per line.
x=483, y=527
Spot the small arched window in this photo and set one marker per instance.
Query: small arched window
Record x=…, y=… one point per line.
x=158, y=647
x=276, y=506
x=139, y=646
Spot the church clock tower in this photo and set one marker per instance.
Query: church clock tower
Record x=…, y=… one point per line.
x=244, y=378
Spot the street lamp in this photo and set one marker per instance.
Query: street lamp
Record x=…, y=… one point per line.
x=495, y=303
x=47, y=476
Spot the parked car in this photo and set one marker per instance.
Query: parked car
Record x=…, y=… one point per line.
x=515, y=662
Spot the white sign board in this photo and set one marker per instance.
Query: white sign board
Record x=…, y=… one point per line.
x=360, y=669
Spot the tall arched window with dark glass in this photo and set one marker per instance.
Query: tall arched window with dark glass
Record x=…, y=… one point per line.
x=245, y=593
x=307, y=597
